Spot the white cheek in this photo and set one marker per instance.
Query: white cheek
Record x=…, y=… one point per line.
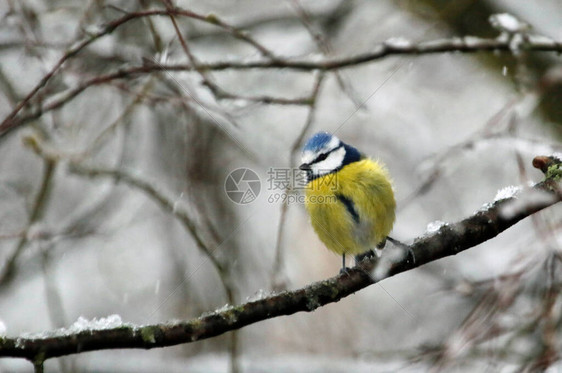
x=334, y=161
x=307, y=157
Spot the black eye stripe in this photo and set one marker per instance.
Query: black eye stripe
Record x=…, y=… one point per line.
x=323, y=156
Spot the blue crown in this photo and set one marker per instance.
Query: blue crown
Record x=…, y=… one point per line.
x=318, y=142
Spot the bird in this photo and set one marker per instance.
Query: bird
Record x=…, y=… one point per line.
x=348, y=196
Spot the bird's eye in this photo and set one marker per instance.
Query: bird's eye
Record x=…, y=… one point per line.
x=321, y=157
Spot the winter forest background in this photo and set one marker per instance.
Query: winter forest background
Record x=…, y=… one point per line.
x=112, y=192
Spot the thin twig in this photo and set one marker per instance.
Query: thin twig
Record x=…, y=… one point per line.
x=37, y=210
x=165, y=203
x=491, y=130
x=326, y=48
x=207, y=79
x=276, y=280
x=127, y=111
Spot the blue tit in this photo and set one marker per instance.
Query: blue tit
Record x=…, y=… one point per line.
x=349, y=196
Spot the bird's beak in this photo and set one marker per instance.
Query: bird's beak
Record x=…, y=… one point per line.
x=305, y=167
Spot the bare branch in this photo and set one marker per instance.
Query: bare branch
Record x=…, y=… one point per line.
x=450, y=239
x=325, y=46
x=37, y=211
x=8, y=122
x=388, y=48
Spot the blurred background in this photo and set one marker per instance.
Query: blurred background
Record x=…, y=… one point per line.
x=113, y=200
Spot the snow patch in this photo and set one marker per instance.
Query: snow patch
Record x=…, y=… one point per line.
x=316, y=57
x=472, y=41
x=398, y=42
x=226, y=307
x=82, y=324
x=525, y=201
x=434, y=226
x=381, y=270
x=260, y=294
x=384, y=263
x=3, y=328
x=507, y=192
x=507, y=22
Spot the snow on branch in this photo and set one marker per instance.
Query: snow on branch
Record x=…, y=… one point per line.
x=448, y=239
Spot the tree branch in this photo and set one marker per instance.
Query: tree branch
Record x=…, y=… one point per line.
x=107, y=29
x=450, y=239
x=392, y=47
x=37, y=210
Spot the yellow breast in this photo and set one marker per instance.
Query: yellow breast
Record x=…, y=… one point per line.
x=352, y=210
